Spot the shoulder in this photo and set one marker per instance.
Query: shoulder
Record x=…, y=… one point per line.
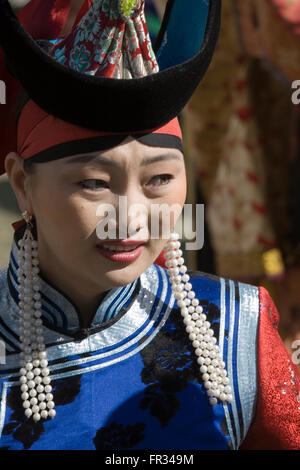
x=233, y=310
x=232, y=297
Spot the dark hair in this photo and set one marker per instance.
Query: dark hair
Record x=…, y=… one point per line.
x=29, y=166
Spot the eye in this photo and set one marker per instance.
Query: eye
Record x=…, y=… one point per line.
x=160, y=180
x=93, y=184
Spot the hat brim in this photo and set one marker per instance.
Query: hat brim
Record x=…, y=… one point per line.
x=109, y=104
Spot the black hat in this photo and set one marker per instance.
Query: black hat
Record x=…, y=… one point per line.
x=184, y=49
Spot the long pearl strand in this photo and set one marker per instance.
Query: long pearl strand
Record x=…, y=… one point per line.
x=34, y=372
x=212, y=367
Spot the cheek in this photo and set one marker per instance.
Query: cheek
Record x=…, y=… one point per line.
x=177, y=195
x=58, y=212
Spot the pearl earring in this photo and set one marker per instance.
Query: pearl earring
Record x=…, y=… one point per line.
x=34, y=372
x=212, y=366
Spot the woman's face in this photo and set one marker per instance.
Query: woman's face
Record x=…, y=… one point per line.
x=66, y=195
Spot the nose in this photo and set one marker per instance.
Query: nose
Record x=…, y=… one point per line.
x=134, y=211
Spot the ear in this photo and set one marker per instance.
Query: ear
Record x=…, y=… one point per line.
x=18, y=180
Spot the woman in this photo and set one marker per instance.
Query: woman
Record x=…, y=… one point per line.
x=104, y=349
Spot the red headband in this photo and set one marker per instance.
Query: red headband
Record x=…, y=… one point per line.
x=45, y=137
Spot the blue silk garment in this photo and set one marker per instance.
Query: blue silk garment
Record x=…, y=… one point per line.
x=131, y=380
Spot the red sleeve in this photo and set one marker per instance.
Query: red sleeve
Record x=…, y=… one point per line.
x=277, y=421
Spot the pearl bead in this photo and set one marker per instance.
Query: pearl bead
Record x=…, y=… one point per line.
x=201, y=360
x=30, y=375
x=189, y=329
x=33, y=401
x=229, y=398
x=26, y=404
x=208, y=384
x=50, y=404
x=197, y=326
x=25, y=396
x=28, y=412
x=213, y=401
x=52, y=413
x=44, y=414
x=198, y=352
x=36, y=417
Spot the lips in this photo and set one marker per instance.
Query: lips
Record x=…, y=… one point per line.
x=121, y=250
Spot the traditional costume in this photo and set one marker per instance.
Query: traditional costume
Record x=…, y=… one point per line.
x=175, y=359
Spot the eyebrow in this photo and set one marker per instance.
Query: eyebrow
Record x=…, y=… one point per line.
x=101, y=160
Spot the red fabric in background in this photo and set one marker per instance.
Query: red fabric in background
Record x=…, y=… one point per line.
x=43, y=19
x=289, y=12
x=277, y=422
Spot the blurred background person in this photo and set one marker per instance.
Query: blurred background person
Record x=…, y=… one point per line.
x=243, y=133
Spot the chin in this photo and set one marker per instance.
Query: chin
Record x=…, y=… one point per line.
x=121, y=276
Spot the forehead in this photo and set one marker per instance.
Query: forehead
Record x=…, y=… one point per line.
x=130, y=151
